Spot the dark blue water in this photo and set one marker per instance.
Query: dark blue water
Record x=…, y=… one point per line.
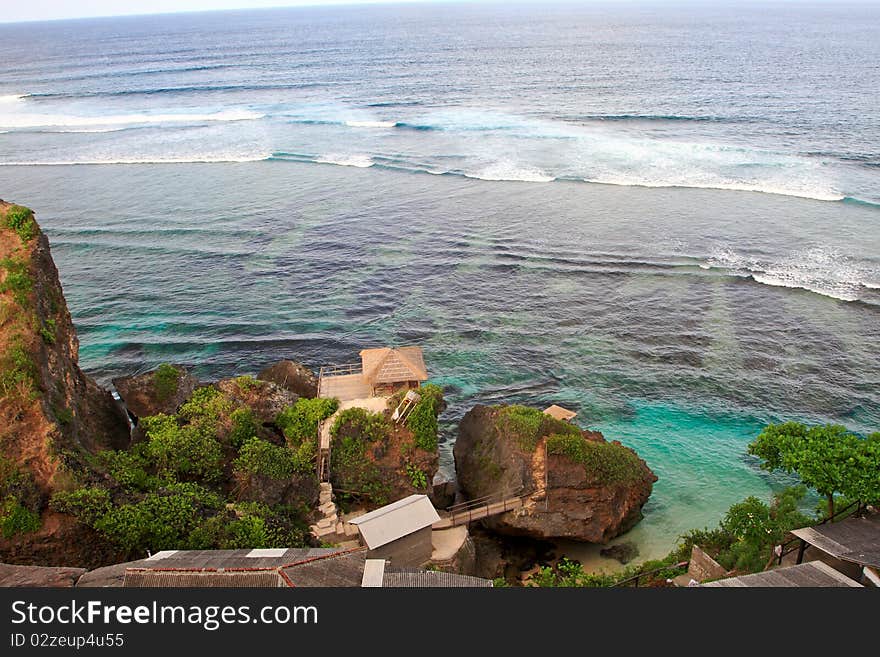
x=664, y=217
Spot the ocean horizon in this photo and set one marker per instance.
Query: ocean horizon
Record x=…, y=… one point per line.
x=630, y=210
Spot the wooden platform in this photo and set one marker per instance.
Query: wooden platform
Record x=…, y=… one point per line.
x=344, y=387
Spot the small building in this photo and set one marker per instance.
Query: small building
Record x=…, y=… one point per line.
x=399, y=532
x=390, y=369
x=381, y=373
x=559, y=413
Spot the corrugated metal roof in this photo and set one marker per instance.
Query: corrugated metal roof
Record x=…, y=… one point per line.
x=195, y=579
x=394, y=365
x=217, y=559
x=396, y=520
x=810, y=574
x=432, y=579
x=343, y=569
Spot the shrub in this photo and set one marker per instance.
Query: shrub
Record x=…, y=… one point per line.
x=417, y=477
x=244, y=426
x=189, y=451
x=86, y=504
x=21, y=220
x=259, y=457
x=247, y=382
x=16, y=518
x=422, y=420
x=160, y=521
x=47, y=331
x=206, y=408
x=18, y=280
x=166, y=380
x=371, y=427
x=300, y=421
x=607, y=463
x=129, y=468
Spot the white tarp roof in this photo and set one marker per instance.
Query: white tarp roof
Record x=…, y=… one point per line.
x=396, y=520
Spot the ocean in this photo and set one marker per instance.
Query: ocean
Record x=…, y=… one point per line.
x=663, y=216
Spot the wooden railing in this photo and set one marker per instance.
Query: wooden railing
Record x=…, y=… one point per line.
x=634, y=580
x=482, y=507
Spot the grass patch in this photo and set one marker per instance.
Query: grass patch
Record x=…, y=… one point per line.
x=18, y=281
x=17, y=370
x=166, y=380
x=21, y=220
x=605, y=463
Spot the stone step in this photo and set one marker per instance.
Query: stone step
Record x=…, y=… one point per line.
x=328, y=509
x=325, y=497
x=326, y=486
x=350, y=530
x=327, y=531
x=323, y=523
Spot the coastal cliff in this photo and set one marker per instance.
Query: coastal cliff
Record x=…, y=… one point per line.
x=53, y=417
x=578, y=485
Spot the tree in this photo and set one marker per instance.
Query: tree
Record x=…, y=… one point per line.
x=828, y=458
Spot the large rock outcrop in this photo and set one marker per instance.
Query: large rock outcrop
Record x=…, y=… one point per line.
x=579, y=485
x=52, y=416
x=162, y=390
x=293, y=376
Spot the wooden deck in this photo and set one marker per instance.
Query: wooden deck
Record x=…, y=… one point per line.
x=345, y=387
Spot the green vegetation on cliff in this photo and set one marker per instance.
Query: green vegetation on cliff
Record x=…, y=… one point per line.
x=21, y=220
x=528, y=425
x=605, y=463
x=422, y=420
x=19, y=501
x=300, y=422
x=190, y=484
x=358, y=435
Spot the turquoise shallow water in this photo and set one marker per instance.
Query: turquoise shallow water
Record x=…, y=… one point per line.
x=542, y=197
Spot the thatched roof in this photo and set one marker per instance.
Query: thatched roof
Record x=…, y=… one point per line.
x=560, y=413
x=394, y=365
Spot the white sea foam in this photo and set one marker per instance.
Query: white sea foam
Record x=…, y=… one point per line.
x=821, y=270
x=22, y=120
x=160, y=159
x=506, y=170
x=359, y=161
x=371, y=124
x=12, y=98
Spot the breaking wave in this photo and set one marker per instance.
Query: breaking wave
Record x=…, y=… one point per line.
x=820, y=270
x=14, y=121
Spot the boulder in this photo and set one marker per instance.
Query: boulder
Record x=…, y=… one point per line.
x=623, y=552
x=266, y=399
x=503, y=451
x=293, y=376
x=162, y=390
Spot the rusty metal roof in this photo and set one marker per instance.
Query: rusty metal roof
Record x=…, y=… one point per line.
x=432, y=579
x=202, y=579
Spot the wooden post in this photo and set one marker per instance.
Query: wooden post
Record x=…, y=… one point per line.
x=801, y=550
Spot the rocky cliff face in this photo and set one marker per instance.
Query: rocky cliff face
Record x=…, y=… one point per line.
x=52, y=416
x=580, y=486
